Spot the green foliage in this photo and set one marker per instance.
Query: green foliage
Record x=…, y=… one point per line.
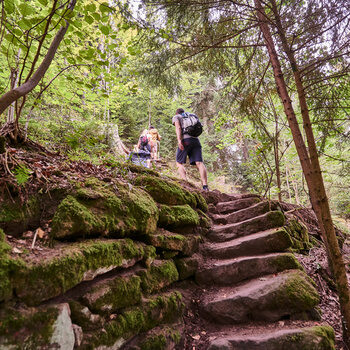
x=22, y=174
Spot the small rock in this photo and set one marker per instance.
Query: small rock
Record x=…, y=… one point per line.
x=78, y=334
x=17, y=251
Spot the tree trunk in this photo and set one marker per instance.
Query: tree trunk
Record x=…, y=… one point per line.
x=309, y=162
x=14, y=94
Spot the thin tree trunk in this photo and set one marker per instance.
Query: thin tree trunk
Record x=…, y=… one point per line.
x=309, y=162
x=288, y=187
x=14, y=94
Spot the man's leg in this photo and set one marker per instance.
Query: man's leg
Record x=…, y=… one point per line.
x=202, y=172
x=182, y=171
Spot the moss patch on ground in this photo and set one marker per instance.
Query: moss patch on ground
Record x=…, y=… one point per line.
x=80, y=261
x=166, y=191
x=97, y=208
x=177, y=216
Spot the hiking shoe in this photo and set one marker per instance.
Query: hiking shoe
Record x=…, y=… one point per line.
x=205, y=188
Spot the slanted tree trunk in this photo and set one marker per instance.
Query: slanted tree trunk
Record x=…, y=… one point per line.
x=308, y=159
x=14, y=94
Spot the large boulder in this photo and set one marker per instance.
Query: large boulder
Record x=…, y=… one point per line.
x=42, y=280
x=97, y=208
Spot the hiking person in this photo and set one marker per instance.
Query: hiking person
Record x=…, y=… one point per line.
x=189, y=145
x=144, y=147
x=144, y=143
x=155, y=138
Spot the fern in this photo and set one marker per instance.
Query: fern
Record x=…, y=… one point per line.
x=22, y=174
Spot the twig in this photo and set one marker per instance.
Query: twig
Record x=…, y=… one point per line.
x=34, y=239
x=6, y=165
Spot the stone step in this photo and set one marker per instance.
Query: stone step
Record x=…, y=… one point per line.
x=244, y=214
x=238, y=204
x=228, y=272
x=274, y=240
x=222, y=233
x=289, y=294
x=320, y=337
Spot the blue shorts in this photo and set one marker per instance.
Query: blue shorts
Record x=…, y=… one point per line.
x=193, y=150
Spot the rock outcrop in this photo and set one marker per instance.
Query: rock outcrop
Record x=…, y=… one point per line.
x=114, y=275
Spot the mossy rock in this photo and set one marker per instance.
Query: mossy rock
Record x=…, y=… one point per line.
x=16, y=216
x=177, y=216
x=109, y=296
x=299, y=290
x=96, y=208
x=165, y=191
x=36, y=328
x=158, y=338
x=153, y=312
x=298, y=234
x=204, y=220
x=8, y=267
x=82, y=316
x=187, y=267
x=201, y=202
x=35, y=283
x=165, y=240
x=161, y=274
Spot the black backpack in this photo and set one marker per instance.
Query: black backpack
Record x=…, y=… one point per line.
x=191, y=125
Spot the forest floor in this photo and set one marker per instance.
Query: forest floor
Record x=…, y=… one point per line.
x=44, y=170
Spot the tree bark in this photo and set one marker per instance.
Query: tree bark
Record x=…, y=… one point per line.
x=309, y=160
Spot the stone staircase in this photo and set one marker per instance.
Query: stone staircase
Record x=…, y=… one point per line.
x=254, y=294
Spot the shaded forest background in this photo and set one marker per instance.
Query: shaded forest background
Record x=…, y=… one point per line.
x=120, y=65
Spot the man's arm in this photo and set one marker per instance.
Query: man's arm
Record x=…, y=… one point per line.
x=179, y=135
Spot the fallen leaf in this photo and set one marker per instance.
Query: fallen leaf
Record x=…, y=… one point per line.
x=196, y=337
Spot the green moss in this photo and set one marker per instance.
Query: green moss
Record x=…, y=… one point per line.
x=286, y=262
x=327, y=335
x=318, y=337
x=83, y=317
x=177, y=216
x=186, y=267
x=73, y=218
x=35, y=283
x=158, y=276
x=157, y=342
x=8, y=267
x=167, y=241
x=299, y=235
x=165, y=191
x=97, y=208
x=204, y=220
x=27, y=329
x=15, y=216
x=118, y=293
x=153, y=312
x=161, y=340
x=298, y=291
x=201, y=202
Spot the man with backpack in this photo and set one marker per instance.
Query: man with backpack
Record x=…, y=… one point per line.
x=188, y=128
